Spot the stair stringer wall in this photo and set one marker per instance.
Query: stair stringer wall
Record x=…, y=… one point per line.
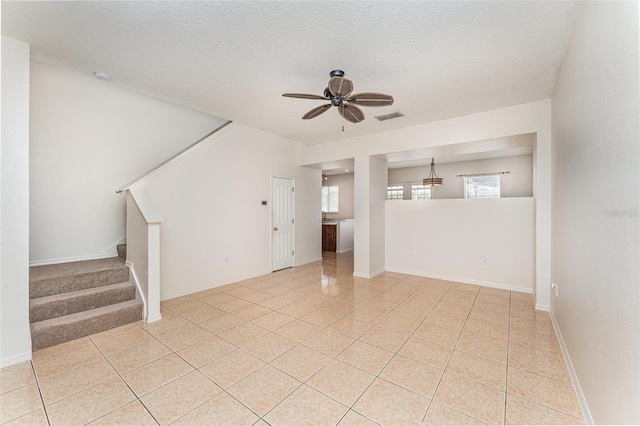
x=210, y=203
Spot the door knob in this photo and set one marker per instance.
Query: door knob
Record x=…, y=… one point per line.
x=275, y=228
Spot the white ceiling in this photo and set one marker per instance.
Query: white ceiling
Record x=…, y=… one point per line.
x=508, y=146
x=234, y=59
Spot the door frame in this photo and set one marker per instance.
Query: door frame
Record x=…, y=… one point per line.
x=293, y=215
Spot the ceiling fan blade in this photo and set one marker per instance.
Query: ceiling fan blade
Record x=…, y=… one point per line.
x=371, y=99
x=316, y=111
x=303, y=96
x=351, y=113
x=340, y=86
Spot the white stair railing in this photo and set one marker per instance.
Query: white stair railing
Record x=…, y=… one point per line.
x=182, y=153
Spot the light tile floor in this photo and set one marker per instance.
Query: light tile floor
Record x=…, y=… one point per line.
x=308, y=345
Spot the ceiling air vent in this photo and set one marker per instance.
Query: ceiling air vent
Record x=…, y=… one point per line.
x=390, y=116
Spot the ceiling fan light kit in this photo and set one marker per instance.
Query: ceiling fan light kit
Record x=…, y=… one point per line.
x=339, y=94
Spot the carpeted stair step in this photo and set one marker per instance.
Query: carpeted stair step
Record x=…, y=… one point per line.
x=66, y=277
x=57, y=305
x=122, y=251
x=69, y=327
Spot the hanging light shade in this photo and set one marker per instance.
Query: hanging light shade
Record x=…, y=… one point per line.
x=432, y=180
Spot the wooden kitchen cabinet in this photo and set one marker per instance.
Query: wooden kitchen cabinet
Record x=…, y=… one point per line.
x=329, y=237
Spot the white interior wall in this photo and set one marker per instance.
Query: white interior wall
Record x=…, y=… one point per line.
x=15, y=335
x=596, y=231
x=345, y=195
x=449, y=239
x=377, y=195
x=519, y=183
x=534, y=117
x=210, y=203
x=88, y=138
x=361, y=223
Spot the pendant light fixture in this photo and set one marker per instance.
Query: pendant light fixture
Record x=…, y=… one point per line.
x=432, y=180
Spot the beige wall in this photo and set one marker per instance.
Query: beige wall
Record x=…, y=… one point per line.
x=596, y=200
x=345, y=195
x=519, y=183
x=205, y=220
x=534, y=117
x=88, y=138
x=15, y=336
x=448, y=239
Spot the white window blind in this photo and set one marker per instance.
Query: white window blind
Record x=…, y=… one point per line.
x=330, y=199
x=486, y=186
x=420, y=192
x=395, y=192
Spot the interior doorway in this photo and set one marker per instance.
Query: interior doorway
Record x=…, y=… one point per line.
x=338, y=207
x=282, y=234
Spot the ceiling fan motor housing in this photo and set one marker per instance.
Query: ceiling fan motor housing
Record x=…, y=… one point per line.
x=335, y=100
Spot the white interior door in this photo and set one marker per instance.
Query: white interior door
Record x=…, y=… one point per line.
x=282, y=213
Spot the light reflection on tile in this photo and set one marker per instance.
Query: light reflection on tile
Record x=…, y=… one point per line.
x=314, y=344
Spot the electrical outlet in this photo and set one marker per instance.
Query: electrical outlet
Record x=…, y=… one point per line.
x=415, y=253
x=487, y=261
x=554, y=286
x=226, y=260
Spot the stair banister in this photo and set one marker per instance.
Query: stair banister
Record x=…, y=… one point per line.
x=170, y=160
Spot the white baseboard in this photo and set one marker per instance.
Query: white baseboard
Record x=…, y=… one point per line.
x=305, y=262
x=464, y=280
x=545, y=308
x=209, y=286
x=143, y=296
x=67, y=260
x=586, y=413
x=153, y=318
x=368, y=275
x=109, y=252
x=112, y=250
x=15, y=359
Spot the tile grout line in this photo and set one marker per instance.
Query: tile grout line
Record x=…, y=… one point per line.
x=334, y=358
x=506, y=376
x=452, y=351
x=331, y=300
x=44, y=407
x=377, y=376
x=125, y=382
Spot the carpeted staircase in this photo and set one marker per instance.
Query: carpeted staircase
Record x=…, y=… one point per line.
x=72, y=300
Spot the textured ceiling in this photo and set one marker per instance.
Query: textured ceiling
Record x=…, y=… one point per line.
x=234, y=59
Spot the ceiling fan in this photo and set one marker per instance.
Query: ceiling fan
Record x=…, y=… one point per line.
x=339, y=94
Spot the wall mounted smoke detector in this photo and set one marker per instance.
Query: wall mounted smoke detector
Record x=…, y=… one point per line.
x=102, y=76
